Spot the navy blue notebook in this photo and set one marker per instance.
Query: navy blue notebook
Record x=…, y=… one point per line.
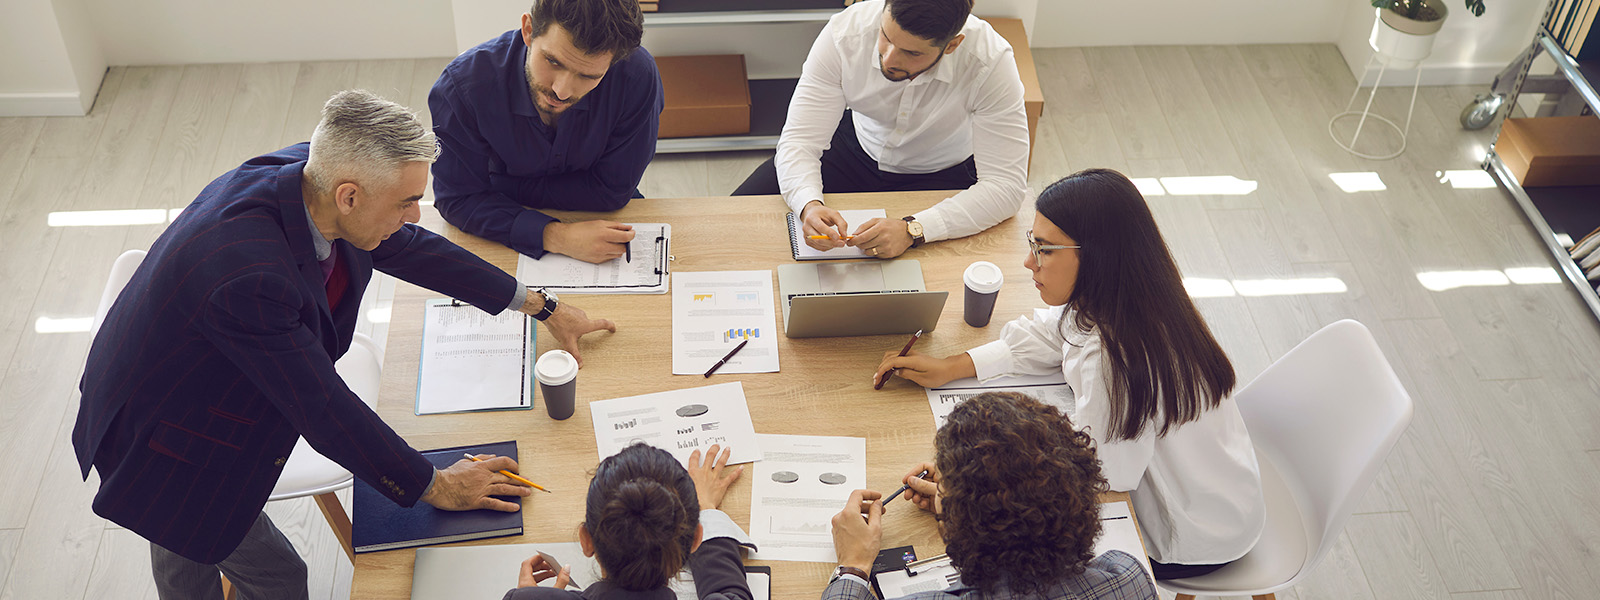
x=380, y=524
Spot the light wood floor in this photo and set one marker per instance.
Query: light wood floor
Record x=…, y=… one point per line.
x=1491, y=494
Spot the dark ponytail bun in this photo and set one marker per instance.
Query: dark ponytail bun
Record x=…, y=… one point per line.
x=642, y=513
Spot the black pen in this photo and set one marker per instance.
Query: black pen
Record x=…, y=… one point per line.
x=903, y=488
x=724, y=360
x=627, y=252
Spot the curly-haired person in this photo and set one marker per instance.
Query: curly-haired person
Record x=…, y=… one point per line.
x=1016, y=490
x=1151, y=385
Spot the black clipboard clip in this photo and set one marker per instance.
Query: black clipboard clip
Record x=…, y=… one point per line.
x=662, y=246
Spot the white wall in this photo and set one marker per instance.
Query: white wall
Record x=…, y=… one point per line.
x=1468, y=49
x=1063, y=23
x=161, y=32
x=49, y=63
x=772, y=50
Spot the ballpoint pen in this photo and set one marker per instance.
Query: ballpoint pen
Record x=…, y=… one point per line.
x=514, y=476
x=724, y=360
x=903, y=488
x=878, y=385
x=823, y=237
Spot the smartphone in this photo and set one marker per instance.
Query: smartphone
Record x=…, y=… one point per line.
x=555, y=565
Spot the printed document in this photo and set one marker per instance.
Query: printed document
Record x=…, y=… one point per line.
x=679, y=421
x=713, y=311
x=1050, y=389
x=472, y=360
x=642, y=272
x=800, y=483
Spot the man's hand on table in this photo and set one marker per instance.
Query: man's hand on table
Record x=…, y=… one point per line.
x=567, y=323
x=589, y=241
x=468, y=485
x=882, y=238
x=858, y=530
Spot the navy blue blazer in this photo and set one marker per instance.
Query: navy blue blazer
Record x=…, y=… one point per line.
x=219, y=354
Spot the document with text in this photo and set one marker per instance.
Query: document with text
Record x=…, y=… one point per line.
x=643, y=270
x=713, y=311
x=472, y=360
x=800, y=483
x=679, y=421
x=1050, y=389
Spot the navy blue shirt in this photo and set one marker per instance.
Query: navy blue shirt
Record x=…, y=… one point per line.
x=499, y=157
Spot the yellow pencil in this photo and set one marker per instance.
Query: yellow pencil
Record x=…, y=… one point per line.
x=514, y=476
x=823, y=237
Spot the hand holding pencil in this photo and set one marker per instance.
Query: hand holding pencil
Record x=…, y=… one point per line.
x=473, y=484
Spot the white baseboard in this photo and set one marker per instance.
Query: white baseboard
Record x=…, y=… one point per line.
x=1433, y=73
x=43, y=104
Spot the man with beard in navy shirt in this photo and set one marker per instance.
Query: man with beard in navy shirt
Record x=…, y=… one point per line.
x=559, y=114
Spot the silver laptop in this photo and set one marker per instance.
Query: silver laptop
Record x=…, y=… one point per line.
x=856, y=298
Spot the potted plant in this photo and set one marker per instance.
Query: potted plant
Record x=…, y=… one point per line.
x=1403, y=32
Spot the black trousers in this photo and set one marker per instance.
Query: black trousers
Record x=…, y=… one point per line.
x=1163, y=571
x=846, y=167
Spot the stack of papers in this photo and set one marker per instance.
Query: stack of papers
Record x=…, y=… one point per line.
x=472, y=360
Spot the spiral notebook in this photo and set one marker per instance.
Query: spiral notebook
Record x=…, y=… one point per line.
x=852, y=219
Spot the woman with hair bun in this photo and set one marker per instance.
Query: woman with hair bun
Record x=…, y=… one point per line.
x=645, y=519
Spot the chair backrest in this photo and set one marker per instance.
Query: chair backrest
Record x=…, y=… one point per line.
x=121, y=272
x=1327, y=414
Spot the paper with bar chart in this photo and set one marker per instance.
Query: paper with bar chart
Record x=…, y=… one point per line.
x=713, y=311
x=679, y=421
x=800, y=483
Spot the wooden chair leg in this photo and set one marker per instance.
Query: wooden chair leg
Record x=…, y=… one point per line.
x=1272, y=596
x=228, y=591
x=333, y=511
x=1185, y=597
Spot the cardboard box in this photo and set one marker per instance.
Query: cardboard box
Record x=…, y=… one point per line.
x=705, y=95
x=1032, y=94
x=1551, y=151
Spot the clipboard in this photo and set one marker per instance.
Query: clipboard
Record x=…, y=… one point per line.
x=653, y=242
x=471, y=367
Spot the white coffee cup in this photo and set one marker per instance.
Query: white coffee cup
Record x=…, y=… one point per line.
x=557, y=374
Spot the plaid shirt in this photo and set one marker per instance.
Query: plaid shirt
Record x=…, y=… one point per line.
x=1110, y=576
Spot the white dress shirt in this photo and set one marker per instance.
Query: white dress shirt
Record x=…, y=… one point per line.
x=969, y=104
x=1197, y=491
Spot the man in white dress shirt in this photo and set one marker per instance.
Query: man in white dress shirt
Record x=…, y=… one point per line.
x=930, y=99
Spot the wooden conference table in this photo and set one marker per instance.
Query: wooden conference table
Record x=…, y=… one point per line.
x=823, y=386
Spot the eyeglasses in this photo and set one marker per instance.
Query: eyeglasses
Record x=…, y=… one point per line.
x=1034, y=246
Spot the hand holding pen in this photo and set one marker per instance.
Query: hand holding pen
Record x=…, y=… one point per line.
x=921, y=487
x=882, y=377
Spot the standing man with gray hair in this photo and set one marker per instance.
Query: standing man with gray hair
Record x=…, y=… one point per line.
x=560, y=113
x=220, y=352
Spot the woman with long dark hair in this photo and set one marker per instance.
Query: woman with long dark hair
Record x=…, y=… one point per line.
x=646, y=518
x=1151, y=385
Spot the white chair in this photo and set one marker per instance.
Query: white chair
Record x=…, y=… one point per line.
x=306, y=473
x=1322, y=419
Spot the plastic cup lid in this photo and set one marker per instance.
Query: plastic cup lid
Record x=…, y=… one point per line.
x=555, y=367
x=983, y=277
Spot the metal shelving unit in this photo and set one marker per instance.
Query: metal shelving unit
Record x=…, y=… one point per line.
x=769, y=98
x=1557, y=212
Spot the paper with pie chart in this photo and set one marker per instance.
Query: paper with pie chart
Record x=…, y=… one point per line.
x=678, y=421
x=713, y=312
x=800, y=483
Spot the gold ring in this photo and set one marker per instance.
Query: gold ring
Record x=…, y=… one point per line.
x=874, y=251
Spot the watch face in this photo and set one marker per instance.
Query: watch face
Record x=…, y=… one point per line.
x=914, y=228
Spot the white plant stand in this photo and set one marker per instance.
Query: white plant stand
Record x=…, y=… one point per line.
x=1391, y=48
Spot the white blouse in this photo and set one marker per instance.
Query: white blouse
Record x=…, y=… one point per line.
x=1197, y=491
